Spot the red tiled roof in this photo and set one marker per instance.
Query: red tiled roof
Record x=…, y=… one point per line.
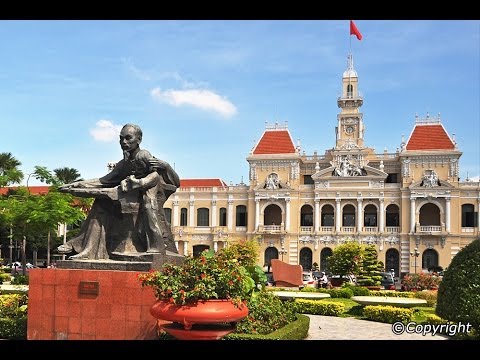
x=202, y=183
x=429, y=137
x=275, y=142
x=36, y=190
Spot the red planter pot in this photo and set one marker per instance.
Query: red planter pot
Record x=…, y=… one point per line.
x=202, y=313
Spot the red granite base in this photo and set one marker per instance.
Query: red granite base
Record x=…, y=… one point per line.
x=60, y=306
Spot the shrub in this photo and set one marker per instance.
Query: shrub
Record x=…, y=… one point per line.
x=13, y=306
x=4, y=277
x=387, y=314
x=296, y=330
x=429, y=295
x=319, y=307
x=13, y=329
x=20, y=280
x=357, y=290
x=458, y=297
x=420, y=282
x=266, y=313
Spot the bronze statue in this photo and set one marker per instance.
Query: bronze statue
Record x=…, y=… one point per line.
x=127, y=216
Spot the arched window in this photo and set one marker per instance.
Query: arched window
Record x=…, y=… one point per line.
x=168, y=214
x=392, y=261
x=392, y=217
x=183, y=217
x=241, y=215
x=348, y=215
x=324, y=255
x=306, y=216
x=202, y=217
x=306, y=259
x=349, y=90
x=222, y=221
x=429, y=215
x=270, y=253
x=429, y=259
x=328, y=218
x=370, y=216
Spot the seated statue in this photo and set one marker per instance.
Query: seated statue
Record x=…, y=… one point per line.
x=127, y=216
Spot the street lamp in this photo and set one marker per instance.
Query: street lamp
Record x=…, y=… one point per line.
x=282, y=252
x=415, y=253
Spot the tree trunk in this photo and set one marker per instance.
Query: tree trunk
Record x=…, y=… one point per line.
x=35, y=254
x=24, y=255
x=48, y=248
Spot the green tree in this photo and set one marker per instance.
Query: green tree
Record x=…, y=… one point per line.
x=9, y=172
x=346, y=258
x=370, y=271
x=67, y=175
x=459, y=291
x=33, y=217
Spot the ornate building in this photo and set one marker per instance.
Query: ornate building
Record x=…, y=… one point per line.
x=409, y=204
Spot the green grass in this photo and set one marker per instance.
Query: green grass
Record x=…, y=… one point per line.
x=420, y=312
x=350, y=305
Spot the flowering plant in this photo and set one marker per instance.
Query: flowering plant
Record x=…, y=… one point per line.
x=211, y=275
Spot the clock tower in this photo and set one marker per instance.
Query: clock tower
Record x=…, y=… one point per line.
x=350, y=128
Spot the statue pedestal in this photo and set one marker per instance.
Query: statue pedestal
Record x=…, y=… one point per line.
x=89, y=304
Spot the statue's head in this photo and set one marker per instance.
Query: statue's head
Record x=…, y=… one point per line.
x=130, y=137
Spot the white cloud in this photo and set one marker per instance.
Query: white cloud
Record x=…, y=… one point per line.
x=105, y=131
x=199, y=98
x=142, y=75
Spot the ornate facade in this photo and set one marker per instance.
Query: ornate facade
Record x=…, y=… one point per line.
x=300, y=207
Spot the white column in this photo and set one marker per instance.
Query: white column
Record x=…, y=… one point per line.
x=317, y=216
x=338, y=216
x=257, y=214
x=412, y=215
x=176, y=244
x=191, y=211
x=176, y=220
x=185, y=248
x=214, y=211
x=478, y=215
x=359, y=214
x=287, y=215
x=230, y=215
x=382, y=216
x=215, y=246
x=447, y=215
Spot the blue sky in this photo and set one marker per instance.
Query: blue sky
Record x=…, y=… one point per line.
x=202, y=90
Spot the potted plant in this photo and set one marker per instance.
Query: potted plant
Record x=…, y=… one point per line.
x=211, y=288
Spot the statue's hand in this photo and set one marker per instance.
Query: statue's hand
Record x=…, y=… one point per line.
x=76, y=184
x=124, y=185
x=158, y=164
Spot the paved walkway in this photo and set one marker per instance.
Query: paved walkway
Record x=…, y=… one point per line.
x=337, y=328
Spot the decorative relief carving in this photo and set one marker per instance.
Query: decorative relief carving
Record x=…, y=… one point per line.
x=345, y=166
x=272, y=182
x=200, y=237
x=430, y=178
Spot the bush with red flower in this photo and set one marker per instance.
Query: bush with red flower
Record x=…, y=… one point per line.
x=208, y=276
x=423, y=281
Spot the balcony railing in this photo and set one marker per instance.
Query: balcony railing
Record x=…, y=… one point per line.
x=430, y=228
x=240, y=228
x=348, y=229
x=370, y=229
x=306, y=229
x=326, y=229
x=468, y=230
x=270, y=228
x=392, y=229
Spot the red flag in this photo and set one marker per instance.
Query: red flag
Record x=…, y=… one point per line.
x=354, y=30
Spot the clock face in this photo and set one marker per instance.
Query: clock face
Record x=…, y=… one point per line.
x=349, y=129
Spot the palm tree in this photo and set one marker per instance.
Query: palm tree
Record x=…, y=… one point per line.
x=9, y=172
x=67, y=175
